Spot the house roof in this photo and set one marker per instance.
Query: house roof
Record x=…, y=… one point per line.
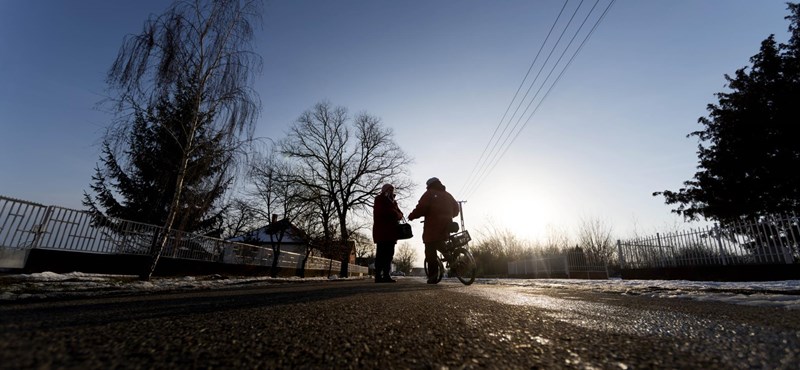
x=271, y=232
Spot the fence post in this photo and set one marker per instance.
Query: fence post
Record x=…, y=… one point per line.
x=566, y=264
x=621, y=256
x=661, y=250
x=41, y=228
x=718, y=236
x=787, y=255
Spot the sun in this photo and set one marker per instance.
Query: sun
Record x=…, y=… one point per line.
x=523, y=210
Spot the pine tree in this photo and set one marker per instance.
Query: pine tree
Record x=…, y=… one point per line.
x=749, y=149
x=144, y=178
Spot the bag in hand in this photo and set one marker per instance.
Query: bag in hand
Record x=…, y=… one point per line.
x=404, y=231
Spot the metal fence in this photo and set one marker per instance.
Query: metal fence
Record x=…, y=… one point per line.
x=569, y=265
x=768, y=240
x=26, y=225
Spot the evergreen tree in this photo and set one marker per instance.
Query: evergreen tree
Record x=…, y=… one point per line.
x=144, y=178
x=749, y=150
x=200, y=50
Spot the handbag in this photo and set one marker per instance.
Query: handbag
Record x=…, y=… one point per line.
x=404, y=230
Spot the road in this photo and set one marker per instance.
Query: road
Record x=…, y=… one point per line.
x=360, y=324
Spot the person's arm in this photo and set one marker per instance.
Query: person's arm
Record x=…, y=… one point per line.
x=421, y=209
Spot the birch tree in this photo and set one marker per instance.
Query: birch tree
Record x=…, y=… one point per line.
x=204, y=47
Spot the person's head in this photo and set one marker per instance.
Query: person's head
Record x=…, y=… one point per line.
x=433, y=182
x=387, y=189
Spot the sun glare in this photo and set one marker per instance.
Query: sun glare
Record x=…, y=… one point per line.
x=523, y=210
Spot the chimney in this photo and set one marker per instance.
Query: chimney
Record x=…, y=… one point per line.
x=274, y=218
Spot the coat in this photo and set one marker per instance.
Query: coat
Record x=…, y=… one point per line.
x=385, y=214
x=438, y=207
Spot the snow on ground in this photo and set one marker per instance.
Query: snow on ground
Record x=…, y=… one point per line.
x=784, y=294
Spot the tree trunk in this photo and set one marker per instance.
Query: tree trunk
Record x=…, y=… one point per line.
x=345, y=248
x=301, y=271
x=276, y=254
x=173, y=207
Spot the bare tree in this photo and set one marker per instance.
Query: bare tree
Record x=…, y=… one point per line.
x=557, y=240
x=278, y=200
x=316, y=232
x=364, y=245
x=404, y=257
x=239, y=218
x=596, y=240
x=205, y=48
x=345, y=161
x=495, y=247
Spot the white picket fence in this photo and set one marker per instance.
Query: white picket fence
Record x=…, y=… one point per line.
x=26, y=225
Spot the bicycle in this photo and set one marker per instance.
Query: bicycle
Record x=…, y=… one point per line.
x=455, y=255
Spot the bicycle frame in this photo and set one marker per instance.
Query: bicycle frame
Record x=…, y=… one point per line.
x=456, y=253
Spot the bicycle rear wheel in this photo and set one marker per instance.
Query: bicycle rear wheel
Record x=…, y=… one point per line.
x=441, y=269
x=463, y=266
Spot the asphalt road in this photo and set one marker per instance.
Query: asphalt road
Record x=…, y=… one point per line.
x=360, y=324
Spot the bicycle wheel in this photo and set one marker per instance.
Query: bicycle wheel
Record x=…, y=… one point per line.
x=441, y=269
x=463, y=266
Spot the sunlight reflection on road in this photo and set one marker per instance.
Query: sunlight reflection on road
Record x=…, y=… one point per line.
x=594, y=315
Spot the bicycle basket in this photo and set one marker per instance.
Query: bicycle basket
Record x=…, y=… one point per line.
x=460, y=239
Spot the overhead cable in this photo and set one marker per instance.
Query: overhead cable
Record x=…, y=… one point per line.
x=547, y=93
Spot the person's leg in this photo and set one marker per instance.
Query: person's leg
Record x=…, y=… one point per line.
x=433, y=266
x=380, y=250
x=389, y=258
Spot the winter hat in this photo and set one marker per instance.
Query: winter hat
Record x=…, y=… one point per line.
x=386, y=188
x=432, y=180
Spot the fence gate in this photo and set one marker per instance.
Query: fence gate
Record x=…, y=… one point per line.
x=21, y=226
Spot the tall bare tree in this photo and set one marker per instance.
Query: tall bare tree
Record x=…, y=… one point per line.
x=345, y=161
x=202, y=46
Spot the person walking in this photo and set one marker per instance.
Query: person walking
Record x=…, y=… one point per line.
x=385, y=215
x=438, y=207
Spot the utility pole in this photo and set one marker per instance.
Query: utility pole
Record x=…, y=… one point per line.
x=461, y=212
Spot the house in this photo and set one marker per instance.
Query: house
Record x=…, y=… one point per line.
x=291, y=240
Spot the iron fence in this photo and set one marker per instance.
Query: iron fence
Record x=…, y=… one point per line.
x=26, y=225
x=767, y=240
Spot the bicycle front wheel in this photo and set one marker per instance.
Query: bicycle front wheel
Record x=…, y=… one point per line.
x=463, y=266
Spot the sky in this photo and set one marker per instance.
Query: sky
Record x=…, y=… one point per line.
x=440, y=74
x=780, y=294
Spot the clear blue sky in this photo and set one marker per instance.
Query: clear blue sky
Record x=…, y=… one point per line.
x=440, y=73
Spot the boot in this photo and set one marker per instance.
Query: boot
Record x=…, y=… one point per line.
x=386, y=278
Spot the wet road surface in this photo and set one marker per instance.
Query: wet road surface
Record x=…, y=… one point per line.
x=359, y=324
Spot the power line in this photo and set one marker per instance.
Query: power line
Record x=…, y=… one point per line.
x=494, y=153
x=522, y=83
x=495, y=149
x=547, y=93
x=496, y=158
